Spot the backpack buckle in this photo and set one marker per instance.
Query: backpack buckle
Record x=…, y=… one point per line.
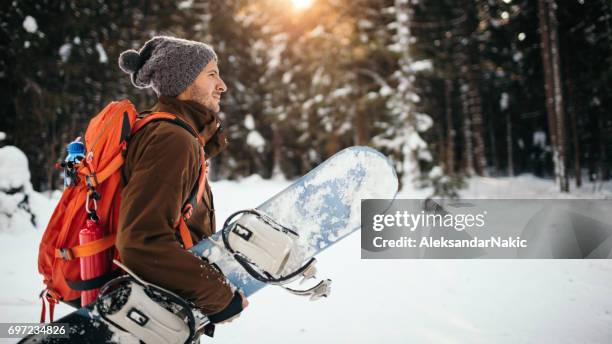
x=66, y=253
x=187, y=211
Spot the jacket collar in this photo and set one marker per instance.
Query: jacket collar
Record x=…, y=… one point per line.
x=204, y=121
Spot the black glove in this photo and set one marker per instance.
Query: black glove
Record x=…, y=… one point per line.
x=234, y=307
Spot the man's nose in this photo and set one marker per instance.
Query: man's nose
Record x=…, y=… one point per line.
x=221, y=86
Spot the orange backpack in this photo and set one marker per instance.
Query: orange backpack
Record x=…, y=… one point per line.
x=97, y=195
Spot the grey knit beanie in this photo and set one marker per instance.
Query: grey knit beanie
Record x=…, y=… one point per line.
x=167, y=64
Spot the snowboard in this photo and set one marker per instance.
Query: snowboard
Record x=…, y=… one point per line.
x=323, y=207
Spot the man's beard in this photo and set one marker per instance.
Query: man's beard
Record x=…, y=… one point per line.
x=199, y=96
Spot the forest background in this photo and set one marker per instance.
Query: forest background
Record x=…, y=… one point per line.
x=447, y=88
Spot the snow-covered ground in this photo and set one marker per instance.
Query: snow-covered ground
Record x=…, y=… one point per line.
x=385, y=301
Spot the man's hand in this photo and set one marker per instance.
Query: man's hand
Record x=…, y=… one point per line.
x=245, y=304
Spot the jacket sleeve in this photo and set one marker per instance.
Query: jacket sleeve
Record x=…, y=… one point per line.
x=163, y=167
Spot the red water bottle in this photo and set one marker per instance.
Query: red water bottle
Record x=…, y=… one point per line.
x=94, y=265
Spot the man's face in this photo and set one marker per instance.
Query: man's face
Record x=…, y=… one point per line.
x=207, y=87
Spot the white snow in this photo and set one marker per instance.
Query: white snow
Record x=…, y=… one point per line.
x=423, y=122
x=517, y=56
x=30, y=25
x=287, y=77
x=539, y=139
x=382, y=301
x=436, y=172
x=341, y=92
x=102, y=53
x=365, y=24
x=279, y=43
x=385, y=91
x=317, y=77
x=255, y=140
x=422, y=65
x=503, y=101
x=14, y=170
x=65, y=51
x=249, y=122
x=20, y=205
x=184, y=5
x=415, y=142
x=318, y=31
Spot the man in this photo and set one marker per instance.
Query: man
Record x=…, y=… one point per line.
x=162, y=168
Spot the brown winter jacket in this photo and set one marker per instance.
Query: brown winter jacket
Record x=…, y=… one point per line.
x=161, y=168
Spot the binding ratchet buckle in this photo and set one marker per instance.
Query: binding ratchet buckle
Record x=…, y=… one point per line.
x=270, y=252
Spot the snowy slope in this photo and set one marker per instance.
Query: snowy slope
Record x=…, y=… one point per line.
x=442, y=301
x=390, y=301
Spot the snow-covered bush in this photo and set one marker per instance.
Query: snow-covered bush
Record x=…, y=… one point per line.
x=21, y=208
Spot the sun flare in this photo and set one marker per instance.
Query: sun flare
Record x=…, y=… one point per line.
x=301, y=4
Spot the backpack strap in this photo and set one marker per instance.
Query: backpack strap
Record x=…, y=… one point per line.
x=197, y=192
x=87, y=249
x=165, y=117
x=52, y=298
x=96, y=282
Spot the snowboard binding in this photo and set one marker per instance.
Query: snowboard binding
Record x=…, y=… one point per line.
x=149, y=312
x=270, y=253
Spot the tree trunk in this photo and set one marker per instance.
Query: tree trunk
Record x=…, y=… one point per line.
x=558, y=93
x=554, y=100
x=509, y=144
x=548, y=82
x=574, y=127
x=440, y=133
x=493, y=142
x=602, y=170
x=475, y=110
x=450, y=128
x=468, y=150
x=360, y=135
x=469, y=61
x=277, y=139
